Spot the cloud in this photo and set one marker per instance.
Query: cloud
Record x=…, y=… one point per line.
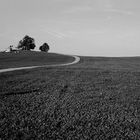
x=78, y=9
x=55, y=34
x=118, y=11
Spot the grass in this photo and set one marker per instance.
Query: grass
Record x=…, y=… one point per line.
x=31, y=58
x=98, y=98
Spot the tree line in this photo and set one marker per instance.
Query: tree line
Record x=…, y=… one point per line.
x=28, y=43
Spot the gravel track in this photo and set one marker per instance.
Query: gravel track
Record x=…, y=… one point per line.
x=77, y=59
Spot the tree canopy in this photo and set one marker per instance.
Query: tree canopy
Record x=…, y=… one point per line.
x=27, y=43
x=45, y=47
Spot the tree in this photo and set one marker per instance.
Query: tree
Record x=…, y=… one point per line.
x=27, y=43
x=45, y=47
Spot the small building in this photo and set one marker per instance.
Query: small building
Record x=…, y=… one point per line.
x=11, y=49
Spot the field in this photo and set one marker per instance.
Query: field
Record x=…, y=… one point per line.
x=98, y=98
x=31, y=58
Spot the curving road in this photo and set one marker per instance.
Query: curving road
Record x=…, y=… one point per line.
x=77, y=59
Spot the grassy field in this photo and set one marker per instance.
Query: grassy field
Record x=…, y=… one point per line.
x=99, y=98
x=31, y=58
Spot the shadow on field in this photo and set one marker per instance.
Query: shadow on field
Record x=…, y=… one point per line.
x=19, y=92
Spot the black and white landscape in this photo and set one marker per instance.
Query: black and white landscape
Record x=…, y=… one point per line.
x=70, y=70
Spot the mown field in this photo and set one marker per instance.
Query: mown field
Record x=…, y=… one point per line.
x=99, y=98
x=31, y=58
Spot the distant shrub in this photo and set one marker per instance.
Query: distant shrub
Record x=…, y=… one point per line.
x=45, y=47
x=27, y=43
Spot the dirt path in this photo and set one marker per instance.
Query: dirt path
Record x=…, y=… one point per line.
x=77, y=59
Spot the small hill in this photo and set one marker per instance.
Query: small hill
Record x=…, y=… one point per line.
x=31, y=58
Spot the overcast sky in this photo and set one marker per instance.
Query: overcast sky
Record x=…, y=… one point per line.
x=83, y=27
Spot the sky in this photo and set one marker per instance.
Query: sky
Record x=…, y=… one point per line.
x=80, y=27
